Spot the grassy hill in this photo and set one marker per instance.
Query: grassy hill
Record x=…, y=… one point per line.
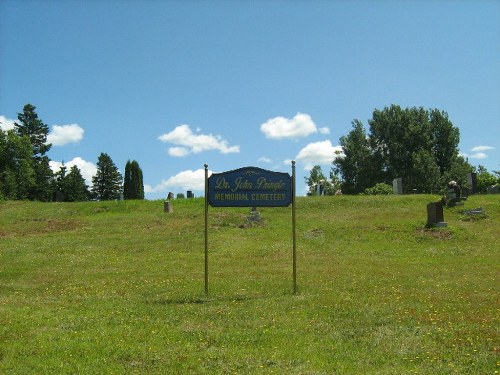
x=118, y=287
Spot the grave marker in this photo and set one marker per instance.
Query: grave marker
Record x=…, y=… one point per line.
x=435, y=216
x=397, y=186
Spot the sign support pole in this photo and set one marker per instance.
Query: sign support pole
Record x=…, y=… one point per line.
x=206, y=229
x=294, y=234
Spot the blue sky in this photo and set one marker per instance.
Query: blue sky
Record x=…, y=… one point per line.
x=177, y=84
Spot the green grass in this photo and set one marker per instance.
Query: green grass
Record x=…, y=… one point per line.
x=118, y=287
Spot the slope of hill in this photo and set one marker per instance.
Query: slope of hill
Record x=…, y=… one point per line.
x=118, y=287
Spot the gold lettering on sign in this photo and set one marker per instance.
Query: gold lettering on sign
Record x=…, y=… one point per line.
x=265, y=184
x=222, y=184
x=231, y=197
x=242, y=184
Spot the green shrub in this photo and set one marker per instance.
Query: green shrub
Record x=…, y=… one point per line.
x=379, y=189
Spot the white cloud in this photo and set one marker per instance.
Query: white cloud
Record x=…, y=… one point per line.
x=299, y=126
x=478, y=155
x=265, y=159
x=185, y=180
x=317, y=153
x=6, y=124
x=87, y=168
x=187, y=142
x=478, y=152
x=64, y=134
x=178, y=152
x=481, y=148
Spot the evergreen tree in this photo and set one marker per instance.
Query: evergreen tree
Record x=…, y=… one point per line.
x=59, y=181
x=71, y=185
x=133, y=186
x=76, y=189
x=17, y=174
x=106, y=184
x=31, y=126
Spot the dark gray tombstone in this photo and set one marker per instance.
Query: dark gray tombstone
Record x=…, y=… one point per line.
x=59, y=196
x=435, y=215
x=170, y=195
x=190, y=194
x=495, y=189
x=397, y=186
x=472, y=182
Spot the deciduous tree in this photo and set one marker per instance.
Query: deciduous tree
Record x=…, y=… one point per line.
x=418, y=145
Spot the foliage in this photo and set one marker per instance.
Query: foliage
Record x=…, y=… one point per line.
x=458, y=172
x=71, y=185
x=316, y=177
x=31, y=126
x=117, y=287
x=355, y=165
x=420, y=146
x=133, y=185
x=17, y=173
x=484, y=179
x=379, y=189
x=107, y=183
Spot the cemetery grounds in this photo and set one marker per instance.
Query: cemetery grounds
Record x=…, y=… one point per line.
x=118, y=287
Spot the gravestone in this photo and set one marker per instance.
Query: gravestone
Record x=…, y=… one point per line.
x=435, y=216
x=495, y=189
x=59, y=196
x=453, y=195
x=170, y=195
x=190, y=194
x=397, y=186
x=472, y=182
x=254, y=215
x=168, y=207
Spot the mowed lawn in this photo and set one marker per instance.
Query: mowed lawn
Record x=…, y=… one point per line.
x=118, y=288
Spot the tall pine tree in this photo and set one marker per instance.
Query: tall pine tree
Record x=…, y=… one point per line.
x=17, y=174
x=107, y=183
x=133, y=186
x=76, y=189
x=32, y=127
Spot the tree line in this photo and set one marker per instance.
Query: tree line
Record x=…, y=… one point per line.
x=416, y=144
x=25, y=172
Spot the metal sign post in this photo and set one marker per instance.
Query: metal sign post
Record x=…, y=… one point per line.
x=206, y=229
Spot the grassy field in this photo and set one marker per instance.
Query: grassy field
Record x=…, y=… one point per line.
x=118, y=287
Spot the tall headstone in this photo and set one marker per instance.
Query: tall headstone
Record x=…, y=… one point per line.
x=472, y=182
x=190, y=194
x=168, y=207
x=59, y=196
x=435, y=216
x=170, y=195
x=397, y=186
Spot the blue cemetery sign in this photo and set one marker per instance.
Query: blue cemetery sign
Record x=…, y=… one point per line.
x=250, y=187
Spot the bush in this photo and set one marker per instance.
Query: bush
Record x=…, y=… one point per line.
x=379, y=189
